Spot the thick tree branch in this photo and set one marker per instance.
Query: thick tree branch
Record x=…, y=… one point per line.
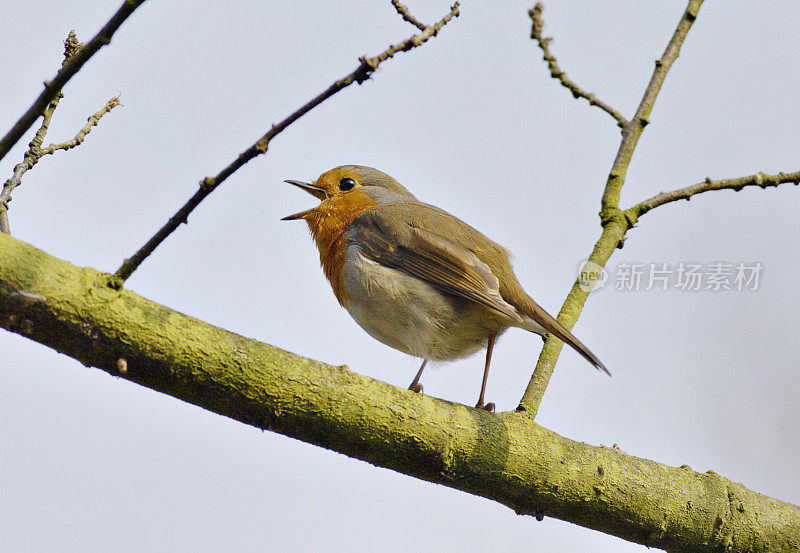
x=505, y=457
x=615, y=224
x=556, y=72
x=67, y=71
x=761, y=180
x=360, y=74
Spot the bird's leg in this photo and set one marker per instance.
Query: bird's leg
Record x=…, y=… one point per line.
x=489, y=406
x=415, y=386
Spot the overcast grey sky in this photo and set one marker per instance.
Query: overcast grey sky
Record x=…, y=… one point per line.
x=470, y=122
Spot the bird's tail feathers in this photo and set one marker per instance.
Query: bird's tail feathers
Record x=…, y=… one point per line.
x=540, y=321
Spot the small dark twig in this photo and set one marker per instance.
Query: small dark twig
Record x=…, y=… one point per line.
x=67, y=71
x=759, y=179
x=556, y=72
x=71, y=46
x=406, y=15
x=35, y=151
x=361, y=73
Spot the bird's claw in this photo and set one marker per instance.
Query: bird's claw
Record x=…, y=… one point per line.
x=488, y=407
x=416, y=388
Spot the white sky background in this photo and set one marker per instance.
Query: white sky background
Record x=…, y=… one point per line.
x=470, y=122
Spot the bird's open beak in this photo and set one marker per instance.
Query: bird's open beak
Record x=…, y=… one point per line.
x=312, y=189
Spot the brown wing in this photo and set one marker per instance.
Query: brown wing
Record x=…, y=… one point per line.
x=400, y=244
x=407, y=236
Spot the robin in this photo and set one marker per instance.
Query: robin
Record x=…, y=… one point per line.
x=414, y=276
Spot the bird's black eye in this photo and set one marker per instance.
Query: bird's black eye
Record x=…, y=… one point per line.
x=346, y=184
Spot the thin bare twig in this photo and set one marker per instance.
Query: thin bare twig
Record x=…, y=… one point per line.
x=35, y=151
x=614, y=221
x=759, y=179
x=556, y=72
x=361, y=73
x=92, y=121
x=67, y=71
x=407, y=16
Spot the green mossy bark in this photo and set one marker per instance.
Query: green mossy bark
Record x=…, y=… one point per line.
x=504, y=457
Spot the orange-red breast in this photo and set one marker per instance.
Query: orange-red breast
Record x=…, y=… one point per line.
x=415, y=277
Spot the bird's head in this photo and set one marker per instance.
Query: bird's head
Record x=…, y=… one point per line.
x=349, y=190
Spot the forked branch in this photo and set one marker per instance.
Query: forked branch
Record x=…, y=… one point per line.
x=35, y=151
x=67, y=71
x=613, y=220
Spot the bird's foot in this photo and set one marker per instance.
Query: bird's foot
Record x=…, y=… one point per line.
x=416, y=387
x=488, y=407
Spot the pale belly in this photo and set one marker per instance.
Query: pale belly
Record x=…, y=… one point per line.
x=409, y=315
